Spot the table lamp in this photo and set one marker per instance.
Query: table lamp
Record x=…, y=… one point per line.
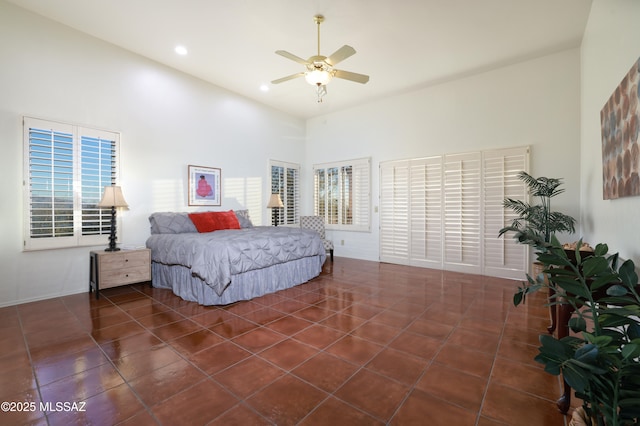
x=112, y=198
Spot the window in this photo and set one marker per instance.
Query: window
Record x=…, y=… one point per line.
x=285, y=180
x=66, y=168
x=342, y=194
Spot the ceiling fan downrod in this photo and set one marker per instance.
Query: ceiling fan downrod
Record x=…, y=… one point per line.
x=318, y=19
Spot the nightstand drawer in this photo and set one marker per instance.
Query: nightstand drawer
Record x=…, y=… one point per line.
x=128, y=275
x=124, y=259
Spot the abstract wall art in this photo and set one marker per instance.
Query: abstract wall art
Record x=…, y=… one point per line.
x=620, y=126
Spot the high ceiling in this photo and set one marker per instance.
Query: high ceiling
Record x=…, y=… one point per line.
x=402, y=45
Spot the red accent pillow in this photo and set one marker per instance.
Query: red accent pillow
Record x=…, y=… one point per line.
x=214, y=221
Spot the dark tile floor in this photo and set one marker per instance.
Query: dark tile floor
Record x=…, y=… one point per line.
x=365, y=343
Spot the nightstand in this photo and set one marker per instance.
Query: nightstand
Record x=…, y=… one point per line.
x=115, y=268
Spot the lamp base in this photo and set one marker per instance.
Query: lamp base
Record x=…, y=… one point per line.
x=112, y=235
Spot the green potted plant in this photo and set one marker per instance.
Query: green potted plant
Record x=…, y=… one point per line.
x=537, y=223
x=601, y=361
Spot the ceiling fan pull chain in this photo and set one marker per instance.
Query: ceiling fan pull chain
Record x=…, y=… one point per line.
x=321, y=90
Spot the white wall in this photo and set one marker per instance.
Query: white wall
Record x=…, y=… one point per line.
x=168, y=121
x=611, y=45
x=535, y=103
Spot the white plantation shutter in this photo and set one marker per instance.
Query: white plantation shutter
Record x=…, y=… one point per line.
x=417, y=229
x=432, y=217
x=319, y=193
x=410, y=212
x=462, y=204
x=285, y=180
x=98, y=169
x=446, y=211
x=360, y=195
x=66, y=168
x=503, y=256
x=50, y=175
x=333, y=196
x=342, y=194
x=394, y=212
x=292, y=206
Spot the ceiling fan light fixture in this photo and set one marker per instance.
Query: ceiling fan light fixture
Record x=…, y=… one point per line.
x=318, y=77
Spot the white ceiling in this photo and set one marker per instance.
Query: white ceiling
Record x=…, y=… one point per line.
x=402, y=45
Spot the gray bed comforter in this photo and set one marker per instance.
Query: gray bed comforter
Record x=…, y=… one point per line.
x=216, y=256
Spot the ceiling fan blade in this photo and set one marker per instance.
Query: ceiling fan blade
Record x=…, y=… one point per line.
x=287, y=78
x=352, y=76
x=291, y=56
x=340, y=55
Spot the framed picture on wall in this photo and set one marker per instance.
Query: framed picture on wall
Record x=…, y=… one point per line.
x=204, y=186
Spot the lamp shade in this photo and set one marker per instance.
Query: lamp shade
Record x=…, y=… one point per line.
x=112, y=197
x=275, y=201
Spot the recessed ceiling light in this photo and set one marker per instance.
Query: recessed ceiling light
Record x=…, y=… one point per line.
x=181, y=50
x=264, y=88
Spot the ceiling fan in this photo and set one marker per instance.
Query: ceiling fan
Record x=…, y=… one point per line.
x=320, y=69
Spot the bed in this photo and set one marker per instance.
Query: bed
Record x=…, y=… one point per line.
x=217, y=258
